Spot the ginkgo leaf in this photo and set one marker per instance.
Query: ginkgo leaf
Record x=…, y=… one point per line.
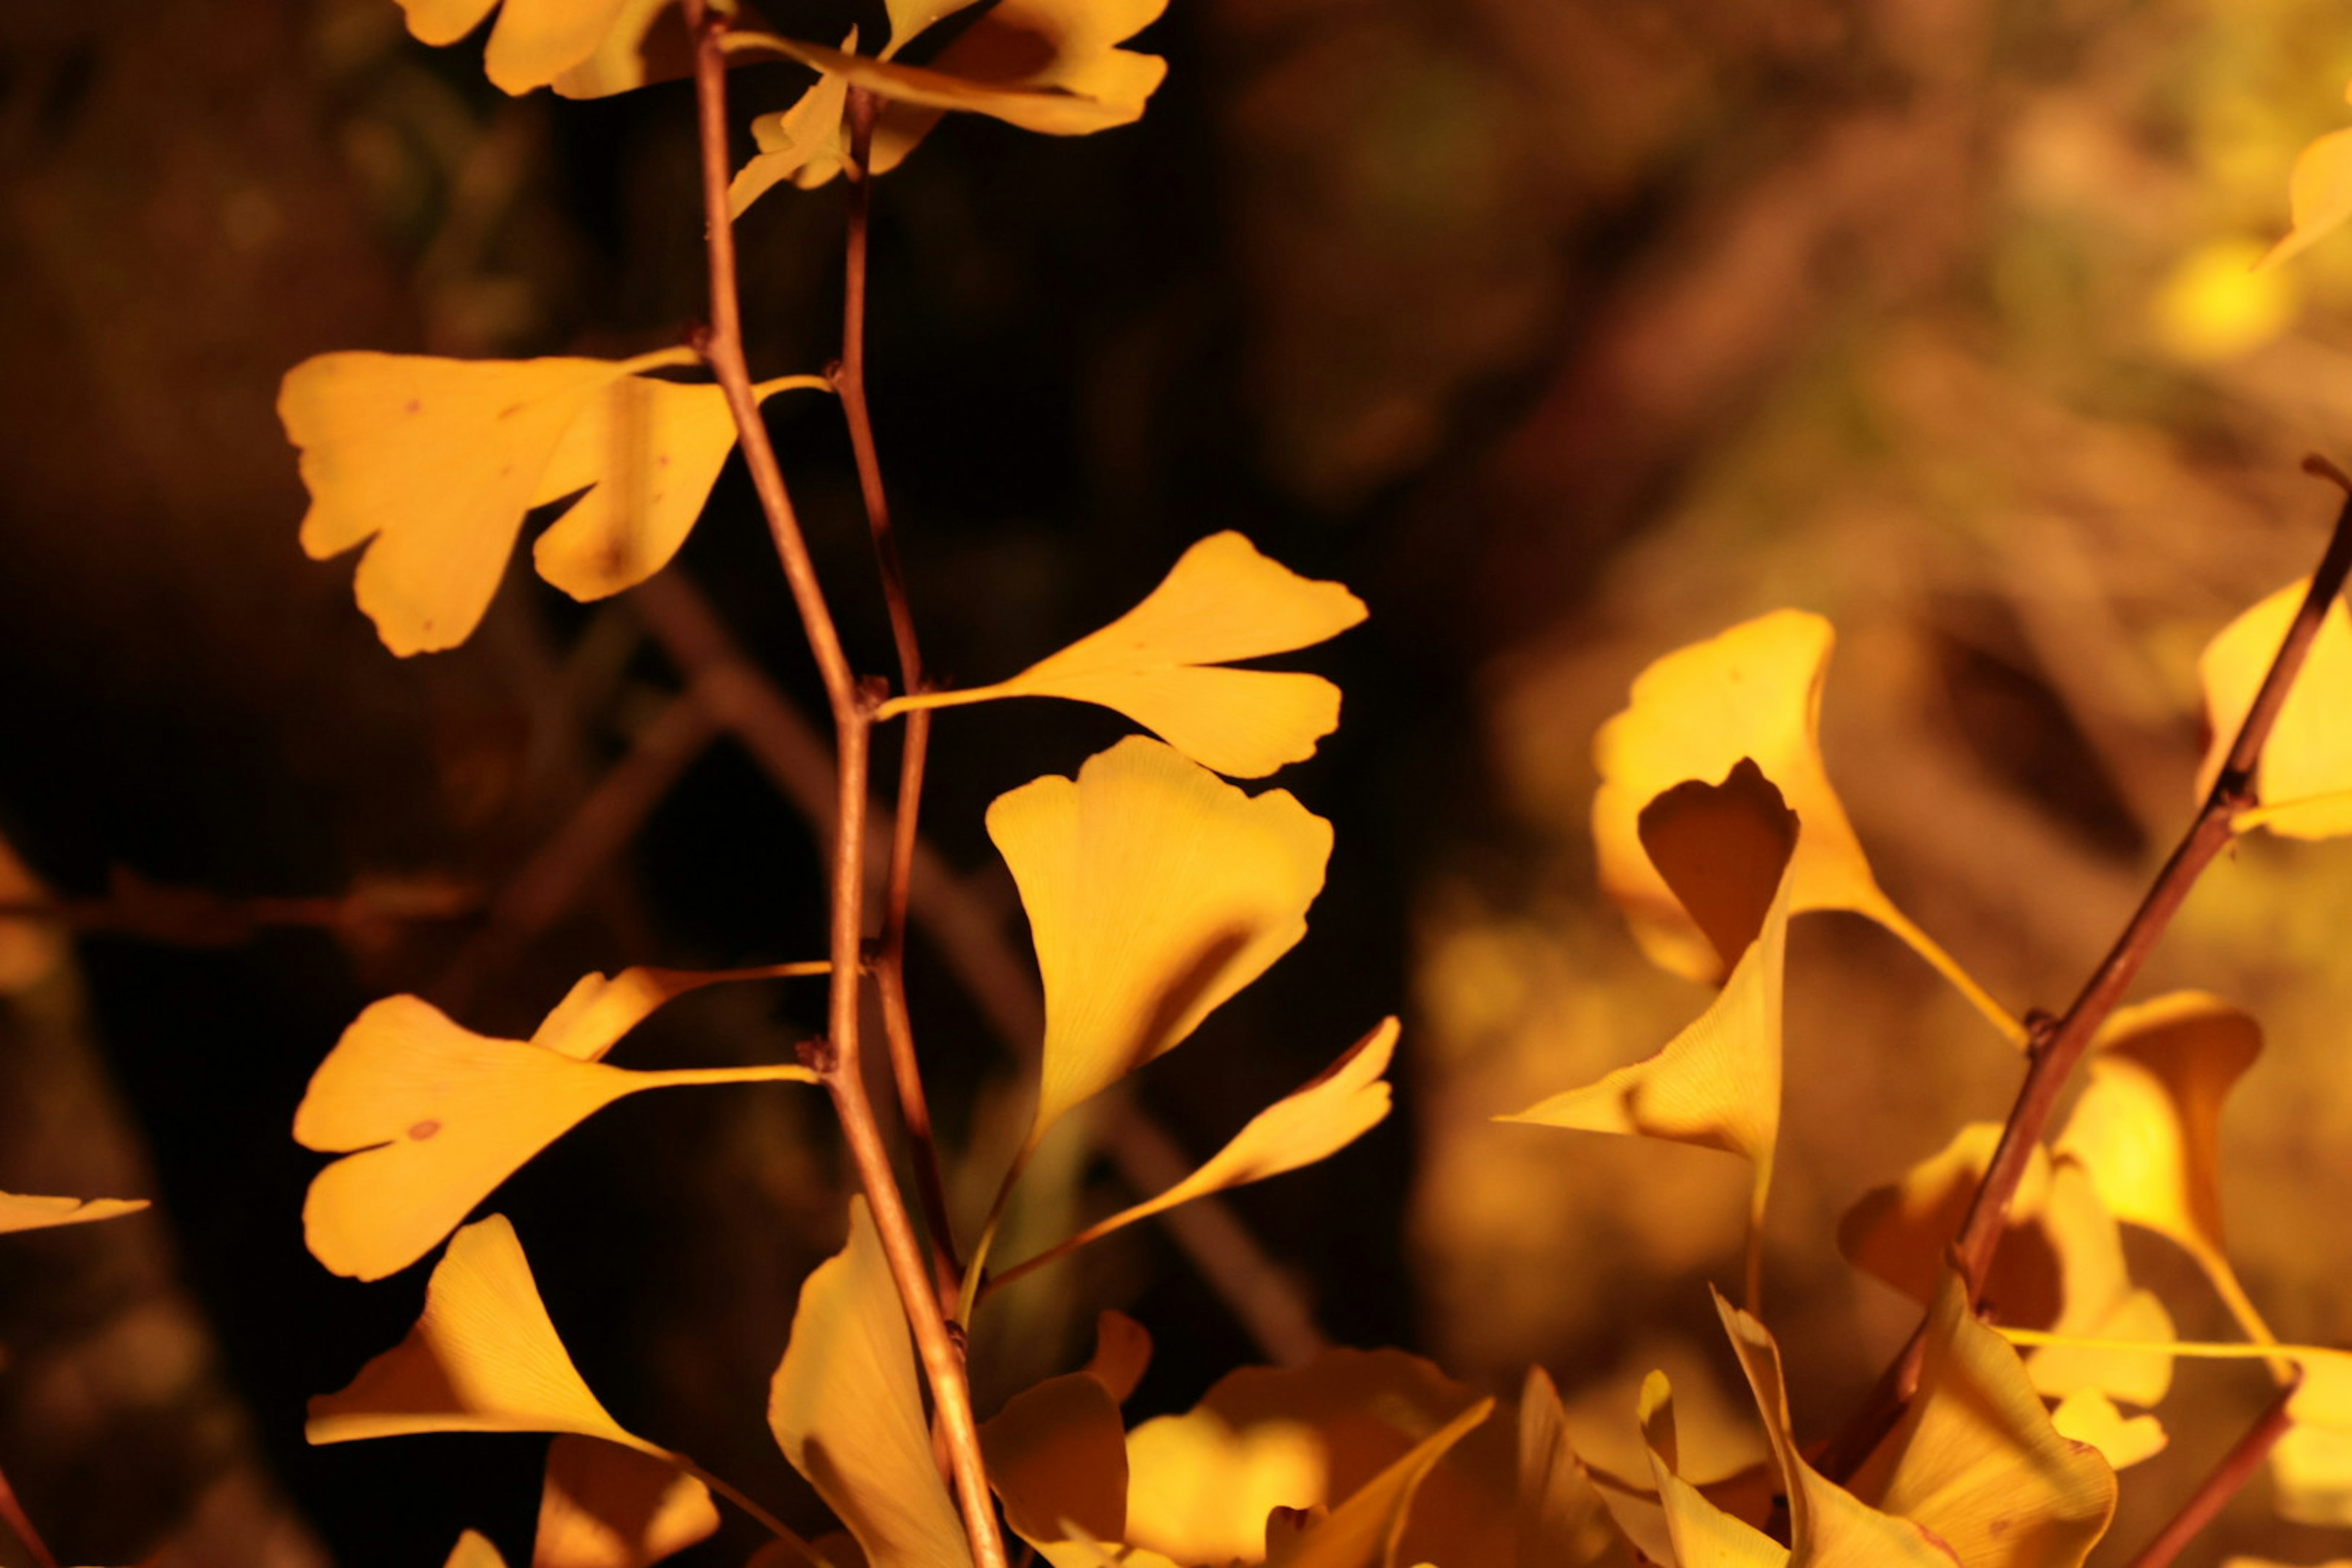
x=1752, y=691
x=1122, y=1352
x=1562, y=1520
x=535, y=41
x=1976, y=1459
x=2087, y=1415
x=2305, y=778
x=1163, y=663
x=20, y=1211
x=2319, y=194
x=432, y=463
x=1200, y=1487
x=1057, y=1456
x=1154, y=891
x=2311, y=1465
x=1702, y=1534
x=1364, y=1530
x=2148, y=1126
x=1828, y=1524
x=1339, y=1105
x=432, y=1116
x=483, y=1358
x=475, y=1550
x=807, y=143
x=1717, y=1083
x=846, y=1408
x=604, y=1507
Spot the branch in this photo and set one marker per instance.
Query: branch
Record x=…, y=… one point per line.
x=853, y=707
x=2222, y=1482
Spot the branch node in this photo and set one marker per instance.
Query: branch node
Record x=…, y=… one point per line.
x=2320, y=468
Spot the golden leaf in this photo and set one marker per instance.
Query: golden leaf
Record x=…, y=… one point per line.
x=1976, y=1459
x=1364, y=1530
x=1057, y=1456
x=1155, y=891
x=1703, y=1535
x=1339, y=1105
x=604, y=1507
x=806, y=144
x=2319, y=194
x=483, y=1358
x=433, y=1117
x=2087, y=1415
x=1122, y=1352
x=474, y=1549
x=535, y=41
x=2305, y=779
x=1752, y=691
x=19, y=1211
x=846, y=1408
x=1563, y=1522
x=1163, y=663
x=1717, y=1083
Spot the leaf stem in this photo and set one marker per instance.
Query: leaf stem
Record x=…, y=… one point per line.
x=890, y=953
x=853, y=714
x=2222, y=1482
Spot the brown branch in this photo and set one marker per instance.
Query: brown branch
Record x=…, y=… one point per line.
x=2057, y=1045
x=967, y=928
x=890, y=951
x=853, y=708
x=2223, y=1482
x=12, y=1514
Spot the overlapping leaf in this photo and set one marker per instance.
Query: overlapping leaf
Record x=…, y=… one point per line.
x=846, y=1408
x=1057, y=1456
x=432, y=463
x=1155, y=891
x=1702, y=1534
x=607, y=1506
x=534, y=42
x=1164, y=663
x=433, y=1117
x=1752, y=691
x=1562, y=1520
x=21, y=1211
x=2305, y=779
x=475, y=1550
x=1729, y=852
x=1364, y=1530
x=2087, y=1415
x=2319, y=194
x=484, y=1357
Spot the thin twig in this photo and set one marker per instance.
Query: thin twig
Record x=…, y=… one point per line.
x=2222, y=1482
x=853, y=708
x=2056, y=1045
x=12, y=1514
x=890, y=951
x=966, y=930
x=198, y=916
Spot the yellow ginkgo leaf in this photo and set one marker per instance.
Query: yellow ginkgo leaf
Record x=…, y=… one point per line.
x=604, y=1507
x=1702, y=1534
x=1200, y=1487
x=1122, y=1352
x=483, y=1358
x=20, y=1211
x=1342, y=1103
x=475, y=1550
x=1155, y=891
x=1976, y=1459
x=535, y=41
x=432, y=1116
x=1828, y=1524
x=1752, y=691
x=2311, y=1467
x=2147, y=1127
x=2319, y=194
x=2087, y=1415
x=2304, y=780
x=1562, y=1520
x=846, y=1408
x=1163, y=663
x=1364, y=1530
x=806, y=144
x=1057, y=1456
x=1717, y=1083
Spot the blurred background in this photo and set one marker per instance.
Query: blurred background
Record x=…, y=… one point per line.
x=1565, y=331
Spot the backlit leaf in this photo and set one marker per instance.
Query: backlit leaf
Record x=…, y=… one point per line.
x=605, y=1507
x=846, y=1408
x=2319, y=194
x=1200, y=1488
x=1057, y=1456
x=475, y=1550
x=1562, y=1520
x=535, y=41
x=1753, y=691
x=1122, y=1352
x=1704, y=1535
x=1717, y=1083
x=1162, y=664
x=483, y=1358
x=20, y=1211
x=2305, y=779
x=1363, y=1531
x=432, y=1116
x=806, y=144
x=2087, y=1415
x=1976, y=1459
x=1155, y=891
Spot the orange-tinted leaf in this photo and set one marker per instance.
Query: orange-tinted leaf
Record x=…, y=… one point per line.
x=474, y=1549
x=1155, y=891
x=483, y=1358
x=19, y=1211
x=1122, y=1352
x=605, y=1507
x=1163, y=663
x=2087, y=1415
x=2319, y=194
x=1364, y=1530
x=846, y=1408
x=1703, y=1535
x=535, y=41
x=807, y=143
x=1563, y=1522
x=2305, y=781
x=1057, y=1456
x=433, y=1117
x=1753, y=691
